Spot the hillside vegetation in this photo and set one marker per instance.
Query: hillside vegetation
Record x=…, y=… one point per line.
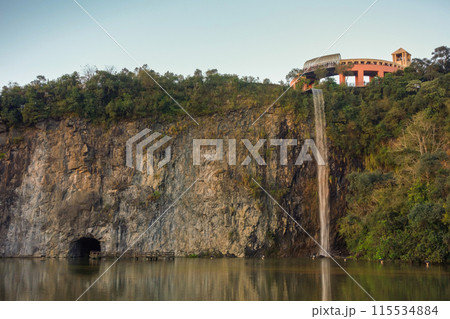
x=397, y=130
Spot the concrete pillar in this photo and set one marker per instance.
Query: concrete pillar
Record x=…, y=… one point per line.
x=380, y=74
x=341, y=78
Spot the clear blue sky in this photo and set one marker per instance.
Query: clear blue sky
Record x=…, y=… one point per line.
x=265, y=39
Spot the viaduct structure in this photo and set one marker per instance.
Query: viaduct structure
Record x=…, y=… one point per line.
x=332, y=64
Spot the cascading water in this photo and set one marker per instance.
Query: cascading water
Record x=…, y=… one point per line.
x=322, y=171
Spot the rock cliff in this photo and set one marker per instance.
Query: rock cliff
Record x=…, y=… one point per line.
x=66, y=180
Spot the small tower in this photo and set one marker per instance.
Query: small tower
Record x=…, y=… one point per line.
x=401, y=57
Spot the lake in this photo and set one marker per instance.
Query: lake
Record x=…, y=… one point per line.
x=219, y=279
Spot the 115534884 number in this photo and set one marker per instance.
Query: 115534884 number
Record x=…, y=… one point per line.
x=381, y=310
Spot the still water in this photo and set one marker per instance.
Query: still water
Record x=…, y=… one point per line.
x=219, y=279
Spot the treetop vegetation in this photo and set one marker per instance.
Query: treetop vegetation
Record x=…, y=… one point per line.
x=104, y=96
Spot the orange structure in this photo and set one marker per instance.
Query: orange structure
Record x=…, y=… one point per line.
x=330, y=65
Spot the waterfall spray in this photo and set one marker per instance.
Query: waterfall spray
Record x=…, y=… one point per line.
x=322, y=171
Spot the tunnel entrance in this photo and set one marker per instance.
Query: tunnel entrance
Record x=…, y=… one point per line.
x=83, y=246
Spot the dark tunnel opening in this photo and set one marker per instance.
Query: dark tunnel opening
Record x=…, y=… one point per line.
x=83, y=246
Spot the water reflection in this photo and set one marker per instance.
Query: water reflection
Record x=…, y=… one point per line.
x=83, y=266
x=326, y=279
x=219, y=279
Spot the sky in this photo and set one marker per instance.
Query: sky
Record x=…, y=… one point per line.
x=264, y=39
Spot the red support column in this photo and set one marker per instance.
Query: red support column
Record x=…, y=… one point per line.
x=380, y=74
x=341, y=78
x=359, y=79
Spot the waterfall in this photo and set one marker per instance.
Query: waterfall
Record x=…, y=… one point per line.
x=322, y=171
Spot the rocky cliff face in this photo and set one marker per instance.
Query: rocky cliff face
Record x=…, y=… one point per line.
x=66, y=180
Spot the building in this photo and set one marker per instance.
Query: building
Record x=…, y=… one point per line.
x=332, y=64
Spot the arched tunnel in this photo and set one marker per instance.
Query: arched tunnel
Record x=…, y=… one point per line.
x=83, y=246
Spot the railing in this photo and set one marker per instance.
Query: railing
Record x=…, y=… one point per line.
x=95, y=255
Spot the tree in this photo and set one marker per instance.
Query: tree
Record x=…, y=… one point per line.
x=441, y=58
x=88, y=72
x=12, y=101
x=293, y=74
x=413, y=86
x=422, y=136
x=344, y=69
x=320, y=73
x=211, y=72
x=198, y=73
x=420, y=65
